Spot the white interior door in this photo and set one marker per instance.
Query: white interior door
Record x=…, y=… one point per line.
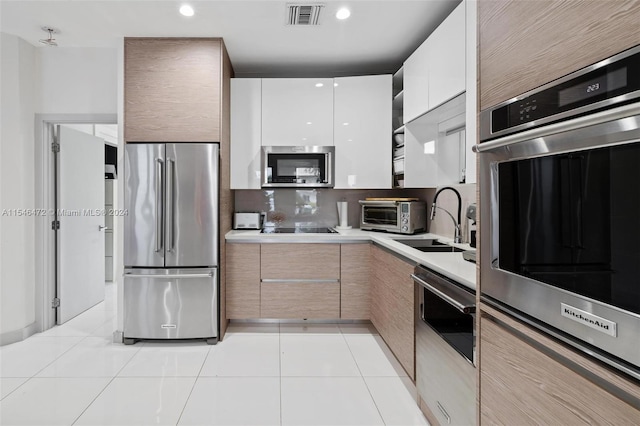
x=81, y=237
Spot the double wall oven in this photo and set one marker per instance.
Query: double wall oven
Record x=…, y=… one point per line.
x=560, y=218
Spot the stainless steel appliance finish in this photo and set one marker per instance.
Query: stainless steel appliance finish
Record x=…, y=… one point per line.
x=298, y=166
x=249, y=220
x=298, y=230
x=561, y=204
x=171, y=193
x=445, y=347
x=170, y=304
x=399, y=217
x=612, y=81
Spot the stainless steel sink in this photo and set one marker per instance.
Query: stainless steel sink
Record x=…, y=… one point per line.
x=430, y=245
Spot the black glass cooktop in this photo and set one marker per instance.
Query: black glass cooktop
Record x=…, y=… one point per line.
x=298, y=230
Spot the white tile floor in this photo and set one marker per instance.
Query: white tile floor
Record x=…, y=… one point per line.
x=261, y=374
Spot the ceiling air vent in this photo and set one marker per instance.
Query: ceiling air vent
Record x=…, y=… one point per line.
x=307, y=14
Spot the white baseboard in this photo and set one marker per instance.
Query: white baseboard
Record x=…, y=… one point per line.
x=18, y=335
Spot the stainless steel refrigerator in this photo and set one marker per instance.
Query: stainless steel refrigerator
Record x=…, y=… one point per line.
x=171, y=241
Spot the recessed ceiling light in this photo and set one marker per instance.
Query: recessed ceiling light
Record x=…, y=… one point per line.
x=345, y=124
x=343, y=13
x=308, y=122
x=335, y=84
x=319, y=84
x=186, y=10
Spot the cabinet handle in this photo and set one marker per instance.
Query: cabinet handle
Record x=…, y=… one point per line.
x=444, y=412
x=308, y=281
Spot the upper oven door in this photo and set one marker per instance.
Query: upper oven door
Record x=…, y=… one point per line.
x=297, y=166
x=560, y=225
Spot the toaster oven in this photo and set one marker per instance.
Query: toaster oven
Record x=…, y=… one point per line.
x=399, y=217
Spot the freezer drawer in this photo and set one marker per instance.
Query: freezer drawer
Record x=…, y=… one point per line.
x=171, y=303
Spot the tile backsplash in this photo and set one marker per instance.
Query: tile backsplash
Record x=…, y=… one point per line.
x=317, y=207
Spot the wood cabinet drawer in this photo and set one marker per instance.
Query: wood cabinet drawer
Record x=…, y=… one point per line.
x=300, y=300
x=524, y=381
x=300, y=261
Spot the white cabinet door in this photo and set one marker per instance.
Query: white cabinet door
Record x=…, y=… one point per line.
x=435, y=72
x=416, y=83
x=420, y=155
x=246, y=122
x=297, y=111
x=447, y=54
x=362, y=131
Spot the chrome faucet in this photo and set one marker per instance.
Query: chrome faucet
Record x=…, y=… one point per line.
x=458, y=234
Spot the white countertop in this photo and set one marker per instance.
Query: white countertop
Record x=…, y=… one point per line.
x=451, y=265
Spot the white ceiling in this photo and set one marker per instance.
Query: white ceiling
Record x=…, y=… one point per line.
x=377, y=37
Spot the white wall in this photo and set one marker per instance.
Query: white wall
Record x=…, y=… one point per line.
x=77, y=80
x=47, y=81
x=17, y=173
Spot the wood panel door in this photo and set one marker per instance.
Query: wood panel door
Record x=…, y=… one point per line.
x=524, y=44
x=520, y=383
x=355, y=281
x=243, y=281
x=172, y=89
x=392, y=305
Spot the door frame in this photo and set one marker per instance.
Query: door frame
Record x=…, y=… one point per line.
x=45, y=192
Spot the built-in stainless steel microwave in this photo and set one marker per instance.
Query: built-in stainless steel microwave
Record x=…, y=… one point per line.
x=297, y=166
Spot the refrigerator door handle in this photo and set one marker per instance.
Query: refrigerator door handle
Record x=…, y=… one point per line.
x=159, y=205
x=171, y=204
x=171, y=276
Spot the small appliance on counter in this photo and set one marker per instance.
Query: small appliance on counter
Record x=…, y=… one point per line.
x=248, y=220
x=395, y=215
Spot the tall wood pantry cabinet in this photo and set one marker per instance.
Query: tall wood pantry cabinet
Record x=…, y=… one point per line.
x=178, y=90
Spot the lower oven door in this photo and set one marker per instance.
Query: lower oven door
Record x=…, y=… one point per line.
x=562, y=204
x=445, y=348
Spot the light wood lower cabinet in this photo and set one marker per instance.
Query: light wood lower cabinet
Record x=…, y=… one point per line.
x=392, y=305
x=300, y=261
x=300, y=300
x=522, y=383
x=243, y=281
x=355, y=282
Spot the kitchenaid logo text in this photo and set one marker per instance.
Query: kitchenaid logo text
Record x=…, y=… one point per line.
x=588, y=319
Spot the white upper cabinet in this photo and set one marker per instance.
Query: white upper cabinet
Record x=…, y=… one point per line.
x=297, y=111
x=362, y=131
x=416, y=83
x=447, y=65
x=435, y=72
x=246, y=119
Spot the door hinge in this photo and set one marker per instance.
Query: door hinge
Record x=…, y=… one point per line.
x=55, y=303
x=55, y=225
x=55, y=147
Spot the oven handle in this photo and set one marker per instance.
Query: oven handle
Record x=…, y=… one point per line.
x=466, y=307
